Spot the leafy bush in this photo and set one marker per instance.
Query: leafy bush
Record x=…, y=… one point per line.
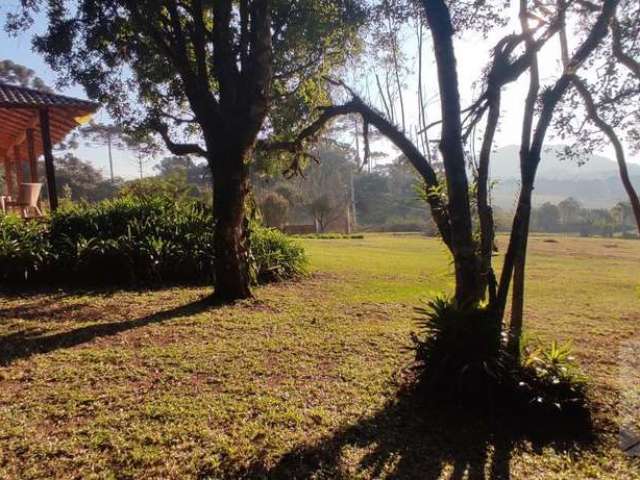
x=549, y=379
x=462, y=357
x=25, y=250
x=131, y=241
x=276, y=256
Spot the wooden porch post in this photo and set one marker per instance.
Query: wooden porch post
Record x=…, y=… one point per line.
x=33, y=161
x=19, y=166
x=8, y=176
x=47, y=147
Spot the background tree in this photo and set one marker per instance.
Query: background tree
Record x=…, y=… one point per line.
x=547, y=217
x=82, y=180
x=197, y=173
x=569, y=210
x=16, y=74
x=275, y=209
x=173, y=187
x=102, y=134
x=326, y=209
x=623, y=213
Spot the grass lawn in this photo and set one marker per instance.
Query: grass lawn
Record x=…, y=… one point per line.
x=301, y=382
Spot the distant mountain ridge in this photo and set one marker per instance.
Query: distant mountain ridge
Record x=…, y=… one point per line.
x=596, y=183
x=505, y=164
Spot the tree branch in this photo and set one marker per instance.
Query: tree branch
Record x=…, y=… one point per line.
x=176, y=148
x=618, y=51
x=607, y=129
x=224, y=59
x=394, y=134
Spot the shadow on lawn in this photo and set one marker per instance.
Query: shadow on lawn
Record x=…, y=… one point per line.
x=26, y=343
x=409, y=439
x=41, y=310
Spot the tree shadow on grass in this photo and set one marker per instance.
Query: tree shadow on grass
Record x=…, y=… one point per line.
x=24, y=344
x=42, y=310
x=412, y=439
x=68, y=289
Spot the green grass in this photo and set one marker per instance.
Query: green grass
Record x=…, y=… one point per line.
x=301, y=382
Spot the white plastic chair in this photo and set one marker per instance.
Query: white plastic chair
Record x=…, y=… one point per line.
x=28, y=196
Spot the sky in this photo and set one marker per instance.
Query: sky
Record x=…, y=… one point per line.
x=472, y=55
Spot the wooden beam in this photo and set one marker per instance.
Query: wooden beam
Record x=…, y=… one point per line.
x=32, y=121
x=47, y=148
x=31, y=152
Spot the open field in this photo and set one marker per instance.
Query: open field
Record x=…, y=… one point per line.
x=301, y=381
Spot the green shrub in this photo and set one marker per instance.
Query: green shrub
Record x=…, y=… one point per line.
x=461, y=356
x=25, y=250
x=548, y=378
x=276, y=256
x=131, y=241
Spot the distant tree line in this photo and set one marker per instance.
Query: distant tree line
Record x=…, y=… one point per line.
x=388, y=198
x=569, y=216
x=177, y=177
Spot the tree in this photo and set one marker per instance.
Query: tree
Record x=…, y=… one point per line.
x=548, y=217
x=534, y=132
x=208, y=71
x=108, y=135
x=448, y=192
x=82, y=180
x=16, y=74
x=275, y=209
x=608, y=98
x=569, y=210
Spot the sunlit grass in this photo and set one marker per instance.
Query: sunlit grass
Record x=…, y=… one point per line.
x=121, y=390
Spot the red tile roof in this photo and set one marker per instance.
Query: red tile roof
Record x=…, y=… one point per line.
x=19, y=112
x=16, y=96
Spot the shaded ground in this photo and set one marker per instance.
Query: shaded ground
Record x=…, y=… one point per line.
x=301, y=382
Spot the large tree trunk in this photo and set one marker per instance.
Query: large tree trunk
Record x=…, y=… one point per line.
x=232, y=248
x=485, y=212
x=466, y=261
x=518, y=260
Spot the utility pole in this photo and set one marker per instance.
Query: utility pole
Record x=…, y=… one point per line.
x=354, y=217
x=110, y=155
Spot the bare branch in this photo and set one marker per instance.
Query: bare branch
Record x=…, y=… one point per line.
x=176, y=148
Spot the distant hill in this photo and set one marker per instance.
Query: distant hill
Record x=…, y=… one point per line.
x=596, y=183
